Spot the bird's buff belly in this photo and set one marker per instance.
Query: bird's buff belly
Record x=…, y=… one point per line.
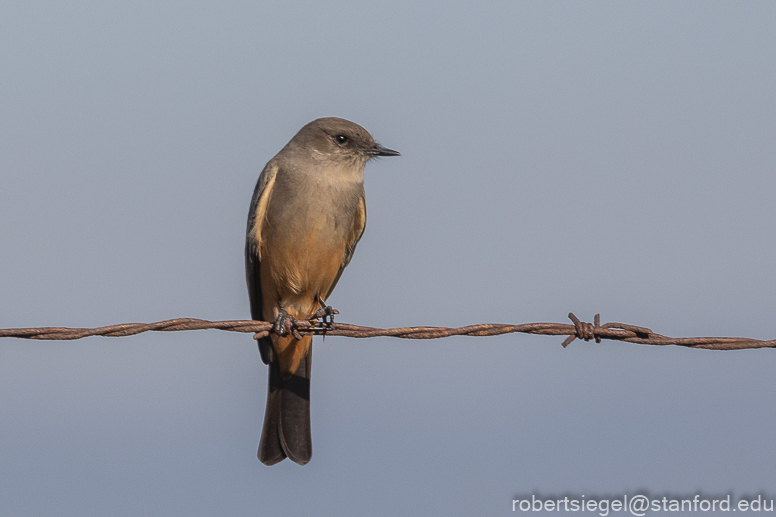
x=302, y=269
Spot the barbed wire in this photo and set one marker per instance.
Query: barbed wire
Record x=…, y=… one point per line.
x=579, y=330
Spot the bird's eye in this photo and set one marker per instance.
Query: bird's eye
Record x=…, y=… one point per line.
x=341, y=139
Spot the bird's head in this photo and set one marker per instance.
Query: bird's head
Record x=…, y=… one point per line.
x=339, y=140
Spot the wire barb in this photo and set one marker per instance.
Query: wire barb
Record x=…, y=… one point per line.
x=579, y=330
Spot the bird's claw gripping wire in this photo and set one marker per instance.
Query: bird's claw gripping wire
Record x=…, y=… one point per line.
x=285, y=324
x=325, y=314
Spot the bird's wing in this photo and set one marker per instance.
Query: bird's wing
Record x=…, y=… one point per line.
x=359, y=223
x=256, y=218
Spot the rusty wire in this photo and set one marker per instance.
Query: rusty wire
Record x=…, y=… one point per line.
x=579, y=330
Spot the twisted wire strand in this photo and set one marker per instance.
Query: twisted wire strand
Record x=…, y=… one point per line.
x=578, y=330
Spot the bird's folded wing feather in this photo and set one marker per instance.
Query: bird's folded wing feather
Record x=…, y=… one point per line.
x=359, y=224
x=256, y=219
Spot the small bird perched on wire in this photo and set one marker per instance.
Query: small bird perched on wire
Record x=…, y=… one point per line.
x=307, y=214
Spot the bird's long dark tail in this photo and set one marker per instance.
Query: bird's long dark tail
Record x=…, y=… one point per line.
x=286, y=432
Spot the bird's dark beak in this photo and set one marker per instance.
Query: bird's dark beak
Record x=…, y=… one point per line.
x=379, y=150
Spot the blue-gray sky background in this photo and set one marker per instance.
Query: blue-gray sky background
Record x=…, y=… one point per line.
x=611, y=157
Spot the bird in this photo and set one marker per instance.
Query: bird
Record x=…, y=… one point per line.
x=307, y=214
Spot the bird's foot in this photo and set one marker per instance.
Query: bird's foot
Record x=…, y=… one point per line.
x=325, y=314
x=285, y=324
